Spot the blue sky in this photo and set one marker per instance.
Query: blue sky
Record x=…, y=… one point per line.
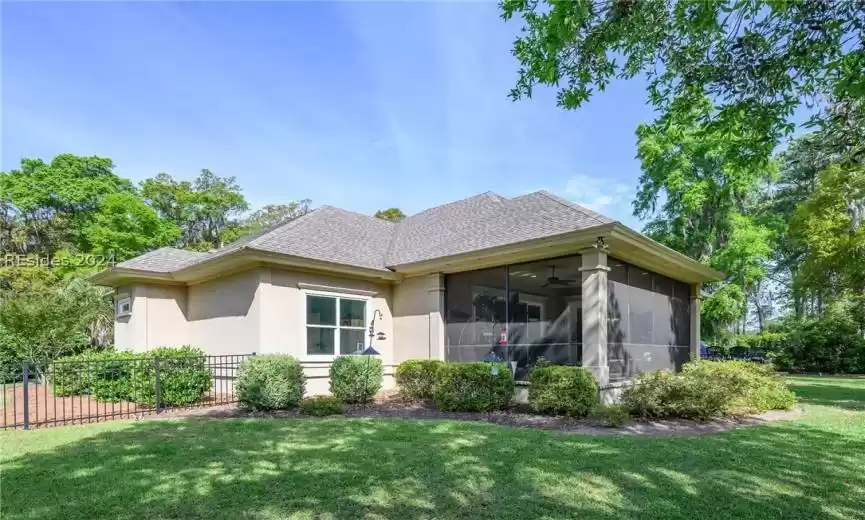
x=360, y=105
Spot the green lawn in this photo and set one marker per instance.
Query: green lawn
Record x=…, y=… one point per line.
x=813, y=467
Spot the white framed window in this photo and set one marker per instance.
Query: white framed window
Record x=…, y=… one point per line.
x=335, y=324
x=124, y=306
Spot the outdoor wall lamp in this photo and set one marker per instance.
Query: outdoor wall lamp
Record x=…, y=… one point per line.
x=372, y=335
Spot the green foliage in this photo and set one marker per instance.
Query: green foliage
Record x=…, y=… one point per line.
x=184, y=376
x=707, y=389
x=51, y=205
x=391, y=214
x=612, y=415
x=267, y=217
x=416, y=377
x=473, y=387
x=125, y=227
x=203, y=209
x=270, y=382
x=125, y=376
x=758, y=61
x=321, y=406
x=562, y=390
x=356, y=379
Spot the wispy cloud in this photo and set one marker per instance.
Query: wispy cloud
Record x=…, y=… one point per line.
x=600, y=194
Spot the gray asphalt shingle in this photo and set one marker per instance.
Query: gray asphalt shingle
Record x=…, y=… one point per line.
x=163, y=260
x=344, y=237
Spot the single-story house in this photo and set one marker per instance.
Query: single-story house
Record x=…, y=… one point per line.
x=515, y=278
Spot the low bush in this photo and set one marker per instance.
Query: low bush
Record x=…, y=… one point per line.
x=355, y=379
x=473, y=387
x=184, y=376
x=708, y=389
x=106, y=375
x=71, y=375
x=562, y=390
x=612, y=415
x=270, y=382
x=112, y=375
x=416, y=378
x=321, y=406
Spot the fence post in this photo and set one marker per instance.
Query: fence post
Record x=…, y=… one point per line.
x=156, y=371
x=25, y=377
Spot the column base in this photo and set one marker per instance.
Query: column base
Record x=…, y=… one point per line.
x=601, y=373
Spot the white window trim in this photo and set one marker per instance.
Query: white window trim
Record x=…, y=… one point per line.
x=338, y=295
x=119, y=304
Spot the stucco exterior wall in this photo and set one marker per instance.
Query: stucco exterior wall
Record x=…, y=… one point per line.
x=158, y=317
x=418, y=316
x=225, y=314
x=283, y=323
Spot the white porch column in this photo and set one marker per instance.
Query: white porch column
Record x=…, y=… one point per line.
x=695, y=320
x=436, y=306
x=594, y=273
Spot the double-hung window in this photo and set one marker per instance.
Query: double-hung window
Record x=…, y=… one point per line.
x=334, y=325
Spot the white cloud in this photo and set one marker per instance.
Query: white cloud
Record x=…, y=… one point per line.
x=605, y=196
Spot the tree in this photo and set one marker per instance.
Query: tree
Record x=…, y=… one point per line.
x=48, y=206
x=55, y=322
x=268, y=217
x=203, y=209
x=758, y=61
x=831, y=227
x=390, y=214
x=124, y=227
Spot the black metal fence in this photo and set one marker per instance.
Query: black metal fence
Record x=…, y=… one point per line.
x=116, y=387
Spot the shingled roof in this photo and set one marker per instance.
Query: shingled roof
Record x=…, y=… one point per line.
x=344, y=237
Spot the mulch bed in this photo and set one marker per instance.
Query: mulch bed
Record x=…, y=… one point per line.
x=389, y=405
x=47, y=410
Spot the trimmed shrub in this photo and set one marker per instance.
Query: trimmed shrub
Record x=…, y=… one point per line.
x=473, y=387
x=184, y=376
x=355, y=379
x=612, y=415
x=112, y=375
x=71, y=375
x=708, y=389
x=562, y=390
x=321, y=406
x=270, y=382
x=106, y=375
x=416, y=377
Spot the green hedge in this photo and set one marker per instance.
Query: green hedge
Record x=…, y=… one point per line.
x=473, y=387
x=707, y=389
x=416, y=378
x=125, y=376
x=184, y=376
x=321, y=406
x=562, y=390
x=270, y=382
x=355, y=379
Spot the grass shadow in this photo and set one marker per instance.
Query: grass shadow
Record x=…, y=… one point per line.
x=838, y=392
x=243, y=468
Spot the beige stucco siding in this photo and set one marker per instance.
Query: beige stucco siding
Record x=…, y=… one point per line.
x=158, y=317
x=414, y=319
x=283, y=325
x=225, y=314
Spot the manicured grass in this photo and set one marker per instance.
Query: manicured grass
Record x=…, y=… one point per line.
x=336, y=468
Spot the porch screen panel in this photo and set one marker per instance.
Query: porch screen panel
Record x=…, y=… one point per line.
x=648, y=321
x=520, y=313
x=545, y=313
x=475, y=314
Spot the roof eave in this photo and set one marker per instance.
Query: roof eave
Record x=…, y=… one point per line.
x=636, y=248
x=241, y=259
x=526, y=251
